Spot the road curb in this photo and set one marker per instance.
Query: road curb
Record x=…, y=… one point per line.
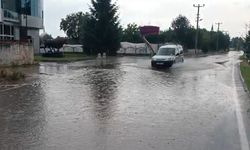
x=243, y=82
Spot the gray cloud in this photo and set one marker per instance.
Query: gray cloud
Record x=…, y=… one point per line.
x=234, y=14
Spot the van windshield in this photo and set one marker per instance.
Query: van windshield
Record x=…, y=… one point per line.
x=166, y=51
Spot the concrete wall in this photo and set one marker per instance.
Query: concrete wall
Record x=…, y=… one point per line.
x=16, y=54
x=32, y=22
x=34, y=33
x=16, y=33
x=136, y=48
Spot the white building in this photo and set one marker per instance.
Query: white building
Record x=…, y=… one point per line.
x=21, y=20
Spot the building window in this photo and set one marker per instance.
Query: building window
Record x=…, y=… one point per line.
x=27, y=7
x=32, y=7
x=6, y=32
x=10, y=5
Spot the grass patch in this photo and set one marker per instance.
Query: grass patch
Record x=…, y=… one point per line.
x=245, y=71
x=9, y=75
x=68, y=57
x=243, y=57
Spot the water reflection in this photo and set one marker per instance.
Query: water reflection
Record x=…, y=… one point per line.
x=104, y=80
x=118, y=104
x=22, y=114
x=53, y=68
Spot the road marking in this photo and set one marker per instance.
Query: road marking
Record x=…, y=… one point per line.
x=242, y=130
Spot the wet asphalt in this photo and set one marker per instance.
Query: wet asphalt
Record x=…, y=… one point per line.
x=123, y=104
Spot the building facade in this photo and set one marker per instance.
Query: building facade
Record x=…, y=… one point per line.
x=21, y=20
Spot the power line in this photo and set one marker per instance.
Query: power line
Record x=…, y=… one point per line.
x=218, y=29
x=197, y=25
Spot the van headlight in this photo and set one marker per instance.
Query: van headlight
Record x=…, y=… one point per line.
x=171, y=59
x=167, y=59
x=154, y=59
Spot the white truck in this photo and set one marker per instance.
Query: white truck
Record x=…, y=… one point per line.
x=167, y=55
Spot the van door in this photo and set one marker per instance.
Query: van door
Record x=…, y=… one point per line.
x=181, y=54
x=178, y=55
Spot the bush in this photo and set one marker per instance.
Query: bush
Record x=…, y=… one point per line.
x=248, y=56
x=56, y=43
x=11, y=75
x=54, y=55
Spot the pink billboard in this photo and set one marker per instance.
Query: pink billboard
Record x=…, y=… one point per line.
x=150, y=30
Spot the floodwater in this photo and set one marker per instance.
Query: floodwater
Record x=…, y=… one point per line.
x=121, y=103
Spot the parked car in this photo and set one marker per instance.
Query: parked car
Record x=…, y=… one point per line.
x=167, y=55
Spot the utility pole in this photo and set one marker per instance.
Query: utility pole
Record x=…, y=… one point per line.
x=26, y=18
x=197, y=25
x=246, y=27
x=217, y=43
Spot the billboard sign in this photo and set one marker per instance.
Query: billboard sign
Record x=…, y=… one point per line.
x=150, y=30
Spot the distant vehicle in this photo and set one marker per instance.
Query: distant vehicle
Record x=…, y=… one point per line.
x=167, y=55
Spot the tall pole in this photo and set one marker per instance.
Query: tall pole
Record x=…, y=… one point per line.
x=218, y=29
x=197, y=25
x=246, y=27
x=26, y=18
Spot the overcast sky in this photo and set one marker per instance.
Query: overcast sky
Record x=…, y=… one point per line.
x=234, y=14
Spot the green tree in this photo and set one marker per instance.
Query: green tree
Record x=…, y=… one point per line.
x=213, y=41
x=205, y=40
x=181, y=26
x=102, y=31
x=237, y=43
x=190, y=38
x=132, y=34
x=72, y=24
x=168, y=36
x=247, y=45
x=224, y=40
x=44, y=37
x=208, y=40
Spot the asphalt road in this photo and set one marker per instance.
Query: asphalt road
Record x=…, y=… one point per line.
x=121, y=103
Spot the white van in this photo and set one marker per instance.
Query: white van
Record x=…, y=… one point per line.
x=168, y=55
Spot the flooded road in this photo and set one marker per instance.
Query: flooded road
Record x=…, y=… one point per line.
x=121, y=103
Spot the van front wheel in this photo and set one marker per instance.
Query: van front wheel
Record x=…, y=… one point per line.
x=170, y=64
